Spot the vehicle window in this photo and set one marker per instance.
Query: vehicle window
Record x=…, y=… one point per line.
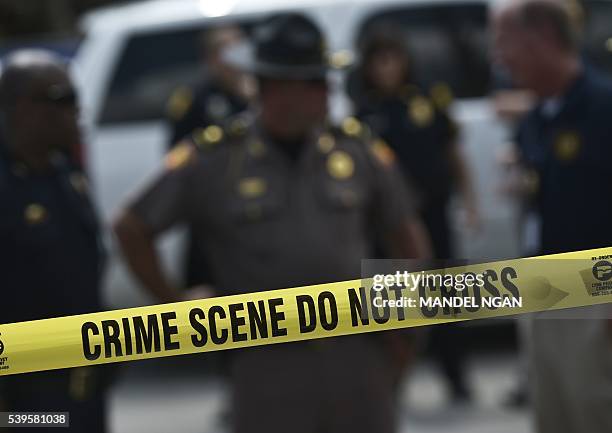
x=447, y=43
x=150, y=68
x=598, y=34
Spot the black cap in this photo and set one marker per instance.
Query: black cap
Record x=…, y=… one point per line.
x=288, y=46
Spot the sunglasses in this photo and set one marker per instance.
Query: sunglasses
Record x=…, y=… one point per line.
x=58, y=95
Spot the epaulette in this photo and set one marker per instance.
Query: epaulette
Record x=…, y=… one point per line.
x=201, y=140
x=382, y=152
x=181, y=154
x=179, y=103
x=375, y=146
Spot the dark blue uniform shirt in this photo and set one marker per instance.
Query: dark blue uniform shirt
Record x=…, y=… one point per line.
x=567, y=143
x=418, y=128
x=421, y=134
x=50, y=251
x=207, y=104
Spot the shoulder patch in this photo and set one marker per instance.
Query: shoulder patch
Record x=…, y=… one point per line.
x=382, y=152
x=180, y=101
x=178, y=157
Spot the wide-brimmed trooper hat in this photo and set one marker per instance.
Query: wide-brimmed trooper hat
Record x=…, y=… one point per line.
x=285, y=46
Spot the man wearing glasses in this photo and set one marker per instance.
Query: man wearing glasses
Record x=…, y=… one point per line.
x=50, y=251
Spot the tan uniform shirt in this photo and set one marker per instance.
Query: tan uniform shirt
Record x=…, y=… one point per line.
x=266, y=221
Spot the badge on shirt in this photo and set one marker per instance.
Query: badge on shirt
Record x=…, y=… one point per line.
x=420, y=111
x=340, y=165
x=35, y=214
x=252, y=187
x=567, y=146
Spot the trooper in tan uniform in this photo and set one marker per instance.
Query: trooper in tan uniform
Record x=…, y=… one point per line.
x=277, y=200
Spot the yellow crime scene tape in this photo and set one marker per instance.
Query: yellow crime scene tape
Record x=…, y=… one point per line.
x=327, y=310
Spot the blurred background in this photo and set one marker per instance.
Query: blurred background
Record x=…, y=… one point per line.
x=128, y=59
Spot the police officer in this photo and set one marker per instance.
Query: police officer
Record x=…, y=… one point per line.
x=283, y=200
x=223, y=93
x=417, y=126
x=49, y=236
x=565, y=148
